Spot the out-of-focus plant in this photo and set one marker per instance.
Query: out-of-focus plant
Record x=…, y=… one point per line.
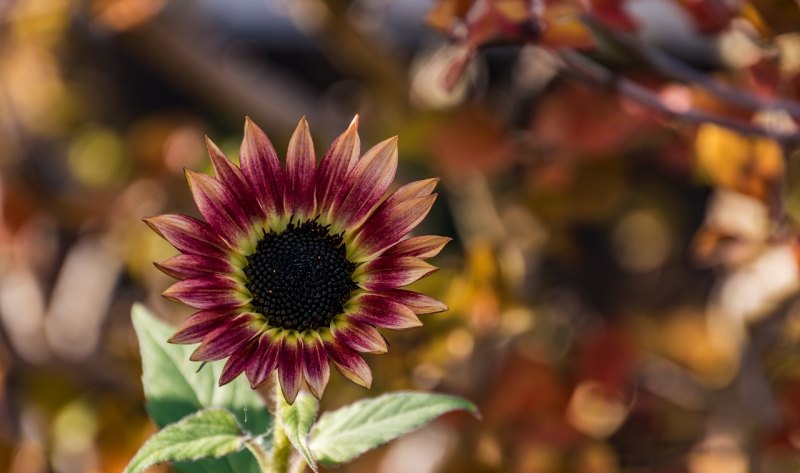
x=632, y=328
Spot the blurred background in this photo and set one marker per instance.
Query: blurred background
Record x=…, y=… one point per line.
x=620, y=178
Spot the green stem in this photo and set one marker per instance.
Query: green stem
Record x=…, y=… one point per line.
x=299, y=466
x=254, y=445
x=281, y=447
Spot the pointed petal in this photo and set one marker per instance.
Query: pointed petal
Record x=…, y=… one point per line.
x=290, y=367
x=425, y=247
x=206, y=282
x=209, y=292
x=301, y=170
x=195, y=327
x=360, y=337
x=389, y=224
x=218, y=206
x=315, y=364
x=226, y=339
x=191, y=266
x=188, y=234
x=414, y=189
x=348, y=362
x=264, y=359
x=391, y=273
x=366, y=185
x=262, y=169
x=384, y=312
x=419, y=303
x=335, y=166
x=237, y=362
x=232, y=178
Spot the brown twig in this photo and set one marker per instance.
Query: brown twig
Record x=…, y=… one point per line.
x=677, y=69
x=595, y=71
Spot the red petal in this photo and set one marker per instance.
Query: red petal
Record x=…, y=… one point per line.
x=315, y=364
x=194, y=328
x=189, y=235
x=349, y=363
x=391, y=273
x=232, y=178
x=301, y=169
x=208, y=292
x=264, y=359
x=191, y=266
x=390, y=223
x=419, y=303
x=290, y=367
x=360, y=337
x=238, y=361
x=384, y=312
x=366, y=185
x=426, y=246
x=414, y=189
x=337, y=163
x=218, y=207
x=226, y=339
x=261, y=167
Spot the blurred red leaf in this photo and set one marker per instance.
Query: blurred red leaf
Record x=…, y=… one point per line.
x=711, y=16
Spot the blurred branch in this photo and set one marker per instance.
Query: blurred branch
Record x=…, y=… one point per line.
x=593, y=70
x=677, y=69
x=347, y=47
x=235, y=87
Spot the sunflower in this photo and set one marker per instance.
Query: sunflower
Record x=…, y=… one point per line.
x=296, y=266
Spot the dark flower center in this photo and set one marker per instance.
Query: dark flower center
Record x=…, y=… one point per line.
x=300, y=278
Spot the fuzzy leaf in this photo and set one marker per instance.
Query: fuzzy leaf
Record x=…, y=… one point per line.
x=174, y=388
x=210, y=433
x=297, y=420
x=346, y=433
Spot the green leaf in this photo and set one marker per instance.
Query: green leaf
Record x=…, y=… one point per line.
x=296, y=420
x=174, y=388
x=346, y=433
x=210, y=433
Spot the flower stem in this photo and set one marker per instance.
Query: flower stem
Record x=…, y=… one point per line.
x=281, y=447
x=298, y=467
x=260, y=455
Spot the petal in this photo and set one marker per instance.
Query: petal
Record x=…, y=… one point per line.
x=337, y=163
x=389, y=224
x=218, y=206
x=188, y=234
x=195, y=327
x=391, y=272
x=238, y=361
x=227, y=339
x=315, y=363
x=262, y=169
x=425, y=247
x=301, y=170
x=348, y=362
x=418, y=303
x=366, y=185
x=414, y=189
x=360, y=337
x=232, y=178
x=384, y=312
x=208, y=292
x=191, y=266
x=290, y=366
x=264, y=359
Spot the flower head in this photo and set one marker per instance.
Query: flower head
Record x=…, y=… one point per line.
x=300, y=264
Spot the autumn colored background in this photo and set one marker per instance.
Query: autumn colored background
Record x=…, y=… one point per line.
x=620, y=178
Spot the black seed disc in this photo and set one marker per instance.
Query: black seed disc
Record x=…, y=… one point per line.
x=300, y=278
